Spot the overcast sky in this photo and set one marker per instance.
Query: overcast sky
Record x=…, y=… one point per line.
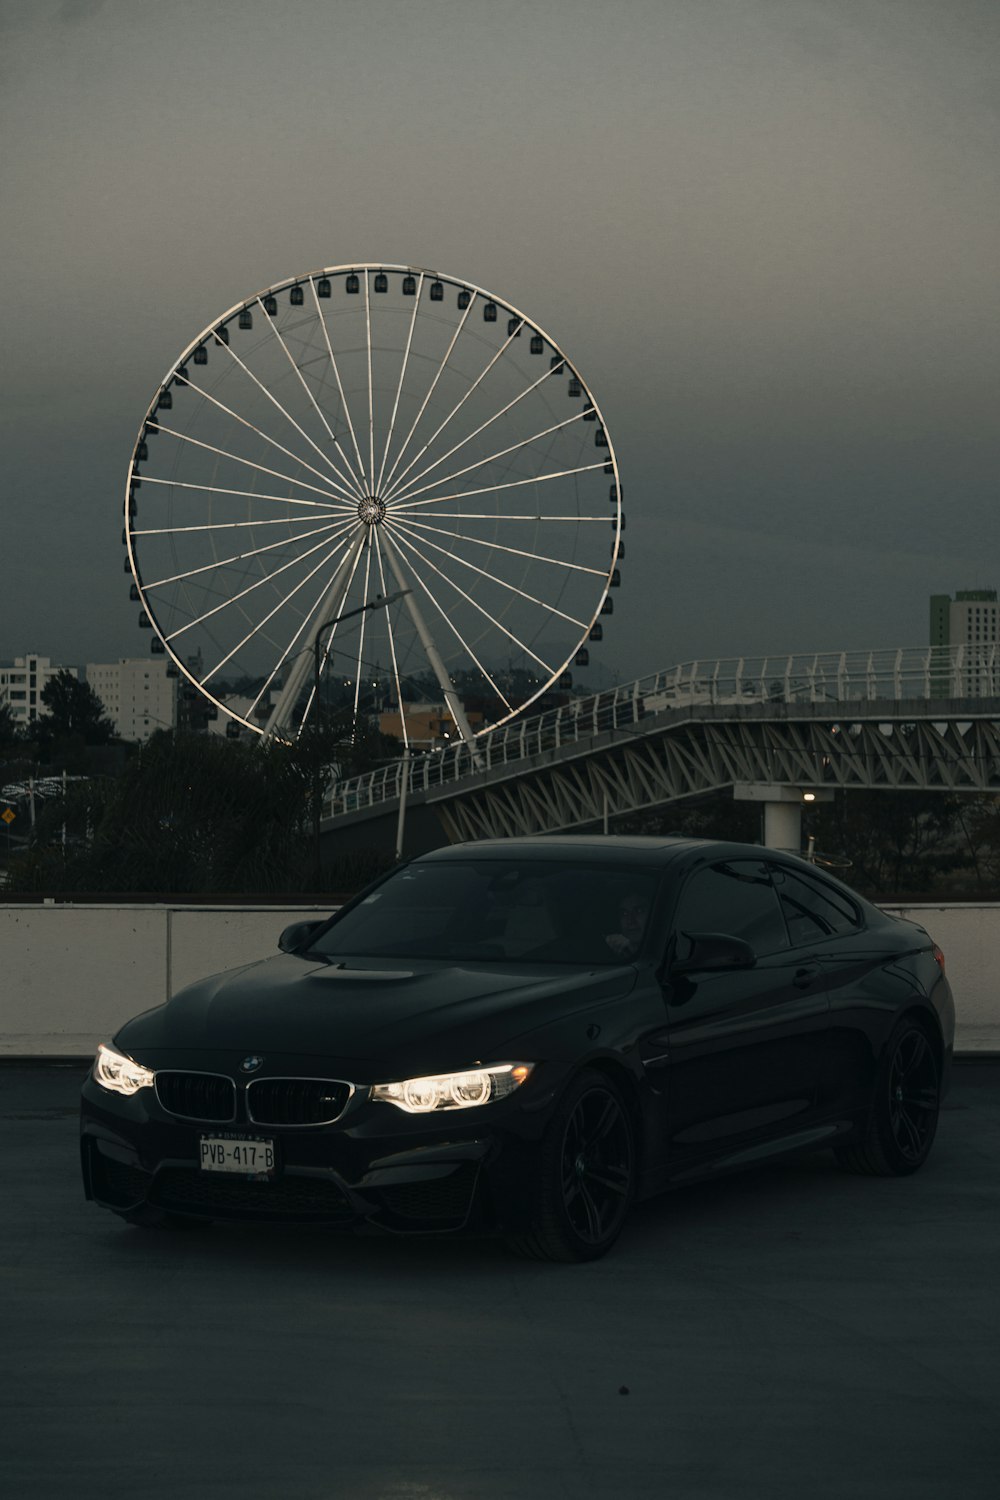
x=765, y=231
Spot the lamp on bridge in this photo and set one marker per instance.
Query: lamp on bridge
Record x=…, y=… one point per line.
x=782, y=810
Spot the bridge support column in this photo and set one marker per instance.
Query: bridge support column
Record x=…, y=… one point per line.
x=782, y=811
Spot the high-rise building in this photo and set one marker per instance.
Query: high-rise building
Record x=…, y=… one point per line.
x=139, y=696
x=970, y=621
x=22, y=682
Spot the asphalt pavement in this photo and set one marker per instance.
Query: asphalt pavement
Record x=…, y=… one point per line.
x=790, y=1334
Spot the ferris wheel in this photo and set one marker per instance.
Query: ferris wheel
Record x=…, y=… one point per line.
x=365, y=434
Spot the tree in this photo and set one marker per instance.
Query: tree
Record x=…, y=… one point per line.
x=194, y=813
x=894, y=842
x=9, y=728
x=74, y=710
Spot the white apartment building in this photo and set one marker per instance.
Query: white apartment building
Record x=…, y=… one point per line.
x=138, y=696
x=972, y=621
x=21, y=685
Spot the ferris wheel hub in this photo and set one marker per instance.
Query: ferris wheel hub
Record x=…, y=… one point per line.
x=371, y=510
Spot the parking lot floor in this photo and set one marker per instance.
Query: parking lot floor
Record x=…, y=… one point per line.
x=794, y=1333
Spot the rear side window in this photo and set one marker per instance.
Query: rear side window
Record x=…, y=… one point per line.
x=736, y=898
x=812, y=909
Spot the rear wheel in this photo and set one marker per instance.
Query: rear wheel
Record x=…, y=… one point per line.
x=905, y=1108
x=586, y=1176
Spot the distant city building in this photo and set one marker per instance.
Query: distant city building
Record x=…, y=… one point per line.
x=138, y=695
x=972, y=621
x=22, y=682
x=426, y=723
x=247, y=708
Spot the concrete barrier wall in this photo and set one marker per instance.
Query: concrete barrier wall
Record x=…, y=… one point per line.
x=70, y=975
x=969, y=937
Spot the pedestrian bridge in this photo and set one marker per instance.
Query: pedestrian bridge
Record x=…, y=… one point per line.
x=926, y=718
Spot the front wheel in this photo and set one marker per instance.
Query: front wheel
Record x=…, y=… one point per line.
x=905, y=1108
x=586, y=1175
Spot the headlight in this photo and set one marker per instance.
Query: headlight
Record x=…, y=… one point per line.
x=120, y=1074
x=419, y=1096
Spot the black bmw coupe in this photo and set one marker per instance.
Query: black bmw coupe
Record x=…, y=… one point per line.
x=526, y=1037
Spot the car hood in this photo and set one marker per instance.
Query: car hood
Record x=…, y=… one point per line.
x=389, y=1015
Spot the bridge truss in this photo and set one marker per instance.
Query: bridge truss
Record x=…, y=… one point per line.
x=897, y=720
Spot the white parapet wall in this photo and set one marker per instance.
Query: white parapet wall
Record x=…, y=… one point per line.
x=71, y=975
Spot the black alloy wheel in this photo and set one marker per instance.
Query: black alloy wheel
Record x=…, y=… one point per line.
x=905, y=1109
x=586, y=1177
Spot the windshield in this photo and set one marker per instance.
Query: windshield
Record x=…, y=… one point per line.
x=539, y=911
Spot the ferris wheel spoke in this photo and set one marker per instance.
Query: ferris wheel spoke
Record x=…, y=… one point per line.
x=332, y=598
x=271, y=613
x=392, y=638
x=218, y=489
x=394, y=492
x=433, y=516
x=185, y=437
x=259, y=583
x=433, y=386
x=399, y=389
x=283, y=409
x=411, y=546
x=359, y=476
x=290, y=654
x=232, y=525
x=477, y=541
x=459, y=404
x=453, y=628
x=473, y=567
x=492, y=458
x=273, y=442
x=509, y=484
x=305, y=386
x=226, y=562
x=364, y=620
x=371, y=391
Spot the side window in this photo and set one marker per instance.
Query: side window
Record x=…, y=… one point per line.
x=736, y=898
x=813, y=910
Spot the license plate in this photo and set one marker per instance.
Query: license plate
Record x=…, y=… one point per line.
x=246, y=1156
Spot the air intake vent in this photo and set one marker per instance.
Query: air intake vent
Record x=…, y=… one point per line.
x=197, y=1096
x=297, y=1101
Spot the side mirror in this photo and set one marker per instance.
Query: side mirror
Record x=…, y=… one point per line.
x=296, y=937
x=713, y=951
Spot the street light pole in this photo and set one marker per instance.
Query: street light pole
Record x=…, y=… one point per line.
x=317, y=799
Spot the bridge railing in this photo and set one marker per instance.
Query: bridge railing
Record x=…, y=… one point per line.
x=964, y=671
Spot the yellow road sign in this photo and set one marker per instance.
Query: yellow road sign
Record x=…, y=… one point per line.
x=8, y=816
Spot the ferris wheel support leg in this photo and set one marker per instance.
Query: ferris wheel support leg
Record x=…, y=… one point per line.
x=330, y=605
x=451, y=698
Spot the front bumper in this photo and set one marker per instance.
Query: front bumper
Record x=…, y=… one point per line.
x=375, y=1167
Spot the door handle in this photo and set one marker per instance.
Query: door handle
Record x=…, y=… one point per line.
x=803, y=978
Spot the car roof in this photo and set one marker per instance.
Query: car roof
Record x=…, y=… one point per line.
x=618, y=849
x=629, y=850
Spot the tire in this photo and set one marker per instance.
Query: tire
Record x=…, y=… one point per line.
x=586, y=1174
x=905, y=1108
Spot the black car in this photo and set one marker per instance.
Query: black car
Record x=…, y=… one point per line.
x=526, y=1036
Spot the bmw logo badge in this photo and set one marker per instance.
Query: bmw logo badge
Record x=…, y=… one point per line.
x=251, y=1064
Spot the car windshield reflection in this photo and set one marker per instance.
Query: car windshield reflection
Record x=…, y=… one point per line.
x=498, y=911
